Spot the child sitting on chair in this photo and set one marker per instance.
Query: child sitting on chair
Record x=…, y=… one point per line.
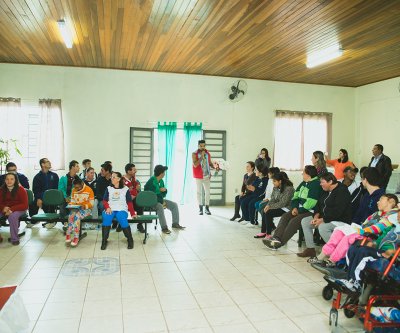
x=80, y=206
x=344, y=236
x=358, y=257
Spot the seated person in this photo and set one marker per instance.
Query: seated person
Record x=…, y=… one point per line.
x=117, y=202
x=22, y=179
x=302, y=204
x=358, y=195
x=86, y=164
x=333, y=209
x=103, y=181
x=342, y=237
x=156, y=184
x=371, y=180
x=278, y=205
x=82, y=196
x=44, y=180
x=318, y=160
x=13, y=204
x=91, y=181
x=349, y=178
x=260, y=205
x=357, y=256
x=257, y=189
x=65, y=184
x=134, y=188
x=248, y=179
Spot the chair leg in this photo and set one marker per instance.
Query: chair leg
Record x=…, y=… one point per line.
x=145, y=233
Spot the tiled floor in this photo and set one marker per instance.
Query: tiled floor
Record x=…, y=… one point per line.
x=212, y=277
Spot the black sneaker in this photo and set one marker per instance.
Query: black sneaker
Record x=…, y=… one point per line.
x=166, y=231
x=140, y=228
x=207, y=211
x=178, y=226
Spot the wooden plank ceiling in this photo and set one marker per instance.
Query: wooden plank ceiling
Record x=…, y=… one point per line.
x=259, y=39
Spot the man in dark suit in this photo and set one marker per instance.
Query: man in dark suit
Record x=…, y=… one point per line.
x=382, y=162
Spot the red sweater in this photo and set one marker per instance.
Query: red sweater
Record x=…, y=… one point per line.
x=18, y=203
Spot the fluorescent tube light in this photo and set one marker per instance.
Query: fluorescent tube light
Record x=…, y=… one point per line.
x=319, y=57
x=65, y=33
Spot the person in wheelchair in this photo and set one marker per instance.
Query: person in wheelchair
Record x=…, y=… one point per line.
x=344, y=236
x=359, y=256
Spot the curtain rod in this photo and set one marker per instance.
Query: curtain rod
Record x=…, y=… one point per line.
x=152, y=122
x=303, y=112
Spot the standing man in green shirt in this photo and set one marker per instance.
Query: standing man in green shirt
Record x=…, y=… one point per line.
x=156, y=184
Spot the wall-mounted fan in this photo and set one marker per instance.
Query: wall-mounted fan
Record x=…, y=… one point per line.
x=238, y=90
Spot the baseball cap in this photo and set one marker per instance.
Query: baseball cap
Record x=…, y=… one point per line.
x=159, y=169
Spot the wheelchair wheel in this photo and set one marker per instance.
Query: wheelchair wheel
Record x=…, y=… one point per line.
x=327, y=293
x=349, y=313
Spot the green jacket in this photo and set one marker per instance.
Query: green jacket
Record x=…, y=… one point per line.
x=306, y=196
x=154, y=185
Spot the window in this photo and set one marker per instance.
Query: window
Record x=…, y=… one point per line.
x=37, y=129
x=298, y=135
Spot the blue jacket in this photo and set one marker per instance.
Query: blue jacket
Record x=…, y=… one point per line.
x=260, y=184
x=42, y=182
x=368, y=206
x=23, y=180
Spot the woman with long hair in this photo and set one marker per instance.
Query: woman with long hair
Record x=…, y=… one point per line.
x=340, y=163
x=13, y=204
x=278, y=205
x=263, y=160
x=318, y=160
x=117, y=203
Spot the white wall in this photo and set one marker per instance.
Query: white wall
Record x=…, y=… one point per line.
x=378, y=119
x=100, y=105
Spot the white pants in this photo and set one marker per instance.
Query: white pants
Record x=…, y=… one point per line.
x=203, y=183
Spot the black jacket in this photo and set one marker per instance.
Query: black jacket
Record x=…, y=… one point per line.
x=384, y=167
x=101, y=187
x=335, y=205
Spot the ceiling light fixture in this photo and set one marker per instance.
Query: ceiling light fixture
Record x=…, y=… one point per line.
x=65, y=33
x=319, y=57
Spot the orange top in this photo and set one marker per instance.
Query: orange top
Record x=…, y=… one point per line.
x=339, y=167
x=84, y=197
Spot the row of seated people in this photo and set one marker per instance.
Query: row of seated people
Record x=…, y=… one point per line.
x=115, y=194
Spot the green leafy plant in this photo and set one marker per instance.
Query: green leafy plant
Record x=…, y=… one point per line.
x=6, y=147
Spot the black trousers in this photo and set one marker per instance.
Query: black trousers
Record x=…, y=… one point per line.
x=268, y=225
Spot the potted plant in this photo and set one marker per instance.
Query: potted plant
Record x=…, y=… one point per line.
x=6, y=147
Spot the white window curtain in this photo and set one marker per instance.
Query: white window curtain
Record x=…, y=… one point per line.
x=298, y=135
x=12, y=121
x=51, y=133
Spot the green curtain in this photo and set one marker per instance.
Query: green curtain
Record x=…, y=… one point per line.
x=193, y=133
x=166, y=149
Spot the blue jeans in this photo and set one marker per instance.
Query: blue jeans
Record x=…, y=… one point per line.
x=121, y=216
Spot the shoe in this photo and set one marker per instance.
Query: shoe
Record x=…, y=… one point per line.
x=200, y=210
x=119, y=229
x=255, y=222
x=351, y=285
x=235, y=217
x=65, y=227
x=241, y=219
x=313, y=260
x=328, y=264
x=178, y=226
x=29, y=225
x=308, y=252
x=50, y=225
x=68, y=239
x=260, y=235
x=250, y=225
x=105, y=232
x=268, y=236
x=15, y=242
x=128, y=234
x=207, y=210
x=244, y=222
x=272, y=243
x=140, y=228
x=270, y=246
x=75, y=242
x=166, y=231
